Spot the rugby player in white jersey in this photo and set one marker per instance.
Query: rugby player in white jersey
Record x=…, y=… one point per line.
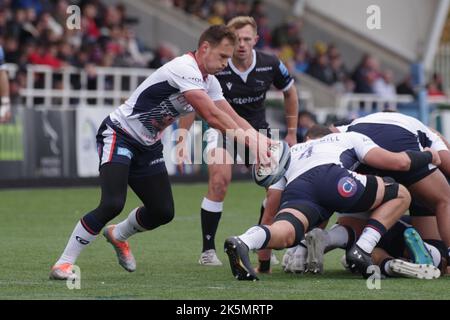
x=319, y=182
x=429, y=210
x=130, y=149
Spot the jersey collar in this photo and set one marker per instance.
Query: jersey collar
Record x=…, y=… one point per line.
x=245, y=73
x=192, y=54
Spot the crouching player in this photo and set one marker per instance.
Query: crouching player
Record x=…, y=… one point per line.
x=319, y=182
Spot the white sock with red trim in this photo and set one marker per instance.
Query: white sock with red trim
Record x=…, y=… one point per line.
x=78, y=240
x=128, y=227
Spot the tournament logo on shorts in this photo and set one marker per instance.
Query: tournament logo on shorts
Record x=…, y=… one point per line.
x=347, y=187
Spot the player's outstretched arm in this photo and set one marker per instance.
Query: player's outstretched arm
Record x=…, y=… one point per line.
x=184, y=124
x=228, y=109
x=400, y=161
x=220, y=120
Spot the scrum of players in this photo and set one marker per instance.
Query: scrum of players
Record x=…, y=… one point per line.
x=369, y=172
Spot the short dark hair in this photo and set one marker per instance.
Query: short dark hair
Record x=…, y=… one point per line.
x=215, y=34
x=306, y=113
x=317, y=131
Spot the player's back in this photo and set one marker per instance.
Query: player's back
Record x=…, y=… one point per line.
x=395, y=131
x=343, y=149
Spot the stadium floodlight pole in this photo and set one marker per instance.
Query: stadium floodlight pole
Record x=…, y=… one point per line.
x=418, y=74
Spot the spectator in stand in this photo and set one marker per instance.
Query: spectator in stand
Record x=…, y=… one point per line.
x=36, y=5
x=218, y=13
x=89, y=24
x=257, y=9
x=384, y=86
x=320, y=68
x=264, y=35
x=306, y=120
x=406, y=86
x=164, y=54
x=136, y=54
x=435, y=87
x=243, y=8
x=45, y=55
x=11, y=48
x=365, y=74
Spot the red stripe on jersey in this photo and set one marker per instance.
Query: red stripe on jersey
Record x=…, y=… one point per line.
x=113, y=144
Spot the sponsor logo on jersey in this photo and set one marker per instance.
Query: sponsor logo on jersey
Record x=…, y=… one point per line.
x=229, y=85
x=223, y=73
x=156, y=161
x=259, y=82
x=193, y=79
x=247, y=99
x=124, y=152
x=263, y=69
x=347, y=187
x=81, y=240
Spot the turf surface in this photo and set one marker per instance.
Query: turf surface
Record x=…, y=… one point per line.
x=36, y=224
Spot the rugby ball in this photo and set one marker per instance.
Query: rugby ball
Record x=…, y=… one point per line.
x=265, y=176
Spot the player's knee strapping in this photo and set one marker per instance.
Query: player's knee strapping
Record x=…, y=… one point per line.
x=296, y=223
x=390, y=189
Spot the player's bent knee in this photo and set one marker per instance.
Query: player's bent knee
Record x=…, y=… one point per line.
x=111, y=207
x=166, y=214
x=394, y=190
x=219, y=185
x=404, y=194
x=299, y=229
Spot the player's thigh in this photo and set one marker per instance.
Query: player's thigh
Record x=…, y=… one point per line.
x=388, y=189
x=154, y=191
x=431, y=190
x=426, y=226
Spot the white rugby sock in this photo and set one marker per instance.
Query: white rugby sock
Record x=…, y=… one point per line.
x=368, y=239
x=78, y=240
x=254, y=237
x=128, y=227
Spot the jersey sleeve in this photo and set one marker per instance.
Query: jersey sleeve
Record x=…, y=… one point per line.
x=280, y=185
x=215, y=90
x=436, y=141
x=282, y=79
x=362, y=144
x=342, y=128
x=185, y=77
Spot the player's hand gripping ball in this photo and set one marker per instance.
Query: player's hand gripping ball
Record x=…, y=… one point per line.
x=265, y=176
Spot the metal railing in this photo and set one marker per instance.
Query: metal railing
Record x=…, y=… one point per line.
x=368, y=103
x=99, y=86
x=70, y=86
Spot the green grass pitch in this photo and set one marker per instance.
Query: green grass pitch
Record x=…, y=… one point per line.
x=35, y=225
